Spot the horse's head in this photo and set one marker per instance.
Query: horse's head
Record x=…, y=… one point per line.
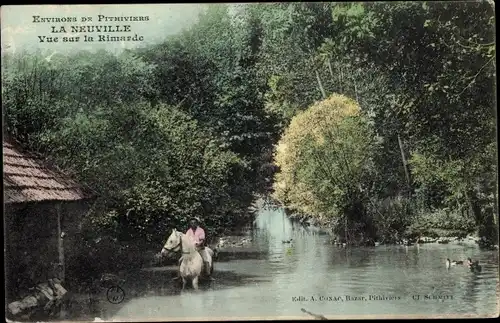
x=173, y=243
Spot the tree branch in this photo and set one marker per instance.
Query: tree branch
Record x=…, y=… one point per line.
x=475, y=76
x=316, y=316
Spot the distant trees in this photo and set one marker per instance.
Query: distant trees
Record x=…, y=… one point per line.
x=421, y=74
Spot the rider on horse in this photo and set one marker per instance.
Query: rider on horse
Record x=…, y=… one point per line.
x=197, y=235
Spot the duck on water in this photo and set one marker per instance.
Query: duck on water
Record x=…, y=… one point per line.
x=450, y=263
x=473, y=265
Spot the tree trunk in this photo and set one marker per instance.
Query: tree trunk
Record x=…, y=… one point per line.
x=405, y=164
x=345, y=229
x=320, y=85
x=495, y=204
x=341, y=80
x=475, y=206
x=330, y=69
x=355, y=90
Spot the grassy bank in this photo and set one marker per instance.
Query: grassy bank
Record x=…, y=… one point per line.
x=396, y=223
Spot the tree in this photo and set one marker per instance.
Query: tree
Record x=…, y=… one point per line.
x=323, y=158
x=438, y=59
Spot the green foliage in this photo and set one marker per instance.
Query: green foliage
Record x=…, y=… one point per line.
x=151, y=165
x=420, y=71
x=392, y=216
x=457, y=179
x=436, y=224
x=156, y=167
x=188, y=126
x=210, y=73
x=323, y=157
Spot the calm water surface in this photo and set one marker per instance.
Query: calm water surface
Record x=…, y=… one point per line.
x=286, y=278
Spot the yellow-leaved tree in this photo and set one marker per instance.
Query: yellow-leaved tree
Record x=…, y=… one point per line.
x=323, y=157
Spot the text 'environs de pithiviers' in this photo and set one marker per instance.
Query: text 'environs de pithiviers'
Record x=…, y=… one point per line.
x=100, y=18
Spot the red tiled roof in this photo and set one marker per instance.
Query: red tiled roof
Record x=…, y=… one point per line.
x=27, y=179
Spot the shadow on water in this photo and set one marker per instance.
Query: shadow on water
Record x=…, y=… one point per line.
x=162, y=283
x=241, y=254
x=157, y=281
x=263, y=276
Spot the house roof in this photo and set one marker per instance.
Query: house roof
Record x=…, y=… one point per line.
x=27, y=178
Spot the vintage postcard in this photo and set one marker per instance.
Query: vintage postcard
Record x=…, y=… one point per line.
x=253, y=161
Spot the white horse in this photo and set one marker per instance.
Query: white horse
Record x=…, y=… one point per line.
x=191, y=262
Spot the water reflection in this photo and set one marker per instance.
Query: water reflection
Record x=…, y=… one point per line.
x=309, y=266
x=384, y=270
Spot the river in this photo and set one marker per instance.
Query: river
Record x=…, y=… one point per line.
x=280, y=279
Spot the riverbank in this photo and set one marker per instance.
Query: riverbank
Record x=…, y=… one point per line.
x=432, y=235
x=411, y=235
x=469, y=241
x=98, y=303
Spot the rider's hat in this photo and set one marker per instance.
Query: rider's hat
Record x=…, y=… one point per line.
x=197, y=219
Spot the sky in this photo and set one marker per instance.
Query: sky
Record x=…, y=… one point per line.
x=20, y=32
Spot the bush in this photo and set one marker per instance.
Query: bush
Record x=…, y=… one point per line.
x=441, y=223
x=323, y=158
x=391, y=217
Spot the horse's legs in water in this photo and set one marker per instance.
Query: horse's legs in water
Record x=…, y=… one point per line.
x=177, y=275
x=210, y=275
x=208, y=271
x=195, y=283
x=183, y=283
